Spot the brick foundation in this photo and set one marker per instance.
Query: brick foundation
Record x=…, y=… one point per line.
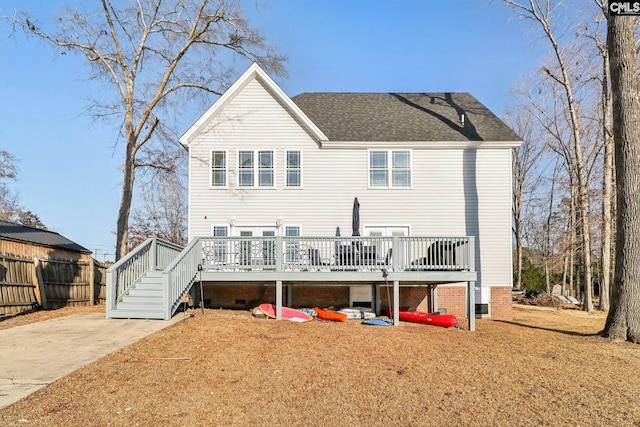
x=453, y=300
x=450, y=298
x=501, y=303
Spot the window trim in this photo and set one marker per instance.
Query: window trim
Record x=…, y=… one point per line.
x=390, y=169
x=226, y=169
x=286, y=169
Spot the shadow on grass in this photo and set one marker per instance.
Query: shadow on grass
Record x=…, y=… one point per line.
x=560, y=331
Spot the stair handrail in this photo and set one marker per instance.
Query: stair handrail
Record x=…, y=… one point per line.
x=180, y=275
x=152, y=254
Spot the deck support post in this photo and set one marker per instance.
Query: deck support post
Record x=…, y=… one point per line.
x=396, y=302
x=435, y=299
x=471, y=305
x=278, y=299
x=376, y=298
x=289, y=295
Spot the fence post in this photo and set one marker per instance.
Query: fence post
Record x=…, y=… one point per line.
x=92, y=280
x=41, y=292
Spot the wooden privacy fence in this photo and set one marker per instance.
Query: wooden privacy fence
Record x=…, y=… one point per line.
x=28, y=283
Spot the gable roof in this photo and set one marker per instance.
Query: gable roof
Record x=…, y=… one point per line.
x=22, y=233
x=407, y=117
x=253, y=72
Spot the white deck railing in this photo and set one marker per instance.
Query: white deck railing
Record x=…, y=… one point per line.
x=152, y=254
x=336, y=253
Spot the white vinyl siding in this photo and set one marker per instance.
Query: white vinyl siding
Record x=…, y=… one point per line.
x=453, y=192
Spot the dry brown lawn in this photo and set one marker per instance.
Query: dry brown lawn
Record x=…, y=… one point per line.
x=546, y=367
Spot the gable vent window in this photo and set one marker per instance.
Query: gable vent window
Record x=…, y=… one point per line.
x=390, y=169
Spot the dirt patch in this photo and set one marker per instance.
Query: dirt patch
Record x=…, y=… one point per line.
x=546, y=367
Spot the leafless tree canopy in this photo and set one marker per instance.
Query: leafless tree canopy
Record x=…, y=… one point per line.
x=151, y=55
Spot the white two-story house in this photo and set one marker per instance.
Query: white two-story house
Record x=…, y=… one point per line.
x=263, y=165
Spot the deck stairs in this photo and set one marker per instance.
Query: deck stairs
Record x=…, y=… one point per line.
x=144, y=300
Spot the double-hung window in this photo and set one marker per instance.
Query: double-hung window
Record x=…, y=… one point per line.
x=390, y=168
x=256, y=168
x=218, y=168
x=294, y=168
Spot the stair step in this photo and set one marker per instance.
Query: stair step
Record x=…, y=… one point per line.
x=148, y=286
x=136, y=314
x=142, y=299
x=151, y=280
x=139, y=306
x=144, y=292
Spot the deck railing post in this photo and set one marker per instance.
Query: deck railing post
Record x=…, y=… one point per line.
x=110, y=291
x=279, y=253
x=395, y=257
x=154, y=254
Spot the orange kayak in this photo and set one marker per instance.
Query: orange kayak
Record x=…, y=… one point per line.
x=329, y=314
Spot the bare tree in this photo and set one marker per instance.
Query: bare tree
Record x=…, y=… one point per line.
x=524, y=161
x=148, y=53
x=10, y=209
x=542, y=14
x=163, y=211
x=608, y=161
x=623, y=321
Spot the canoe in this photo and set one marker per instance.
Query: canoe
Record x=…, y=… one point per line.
x=357, y=313
x=436, y=319
x=287, y=313
x=329, y=314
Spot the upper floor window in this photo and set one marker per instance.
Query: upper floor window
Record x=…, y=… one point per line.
x=256, y=168
x=218, y=168
x=390, y=168
x=294, y=168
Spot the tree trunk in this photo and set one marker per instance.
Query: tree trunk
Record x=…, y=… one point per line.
x=122, y=234
x=623, y=321
x=607, y=189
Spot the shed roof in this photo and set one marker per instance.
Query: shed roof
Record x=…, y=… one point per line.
x=37, y=236
x=440, y=116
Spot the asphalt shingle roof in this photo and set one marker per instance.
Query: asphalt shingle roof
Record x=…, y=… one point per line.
x=403, y=117
x=22, y=233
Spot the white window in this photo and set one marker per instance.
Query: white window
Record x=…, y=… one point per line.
x=265, y=167
x=294, y=168
x=256, y=168
x=218, y=169
x=390, y=168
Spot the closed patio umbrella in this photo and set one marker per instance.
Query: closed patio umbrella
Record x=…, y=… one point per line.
x=355, y=218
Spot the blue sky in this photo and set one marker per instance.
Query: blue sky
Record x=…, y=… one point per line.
x=69, y=167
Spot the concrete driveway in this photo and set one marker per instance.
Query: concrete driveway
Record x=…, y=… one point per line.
x=34, y=355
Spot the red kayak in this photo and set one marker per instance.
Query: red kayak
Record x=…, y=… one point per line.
x=435, y=319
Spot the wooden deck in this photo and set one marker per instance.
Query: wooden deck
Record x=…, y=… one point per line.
x=291, y=261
